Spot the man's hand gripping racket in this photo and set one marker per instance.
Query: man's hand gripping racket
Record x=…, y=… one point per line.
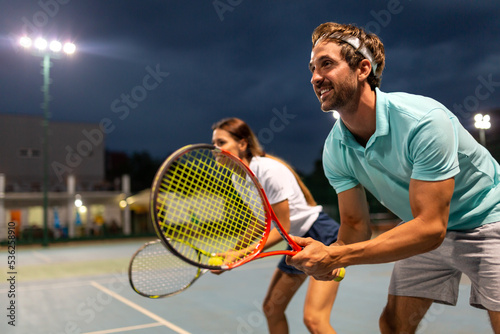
x=210, y=210
x=314, y=259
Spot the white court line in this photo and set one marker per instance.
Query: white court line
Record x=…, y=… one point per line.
x=126, y=329
x=140, y=308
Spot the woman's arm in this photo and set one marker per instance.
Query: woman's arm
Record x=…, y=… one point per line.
x=282, y=211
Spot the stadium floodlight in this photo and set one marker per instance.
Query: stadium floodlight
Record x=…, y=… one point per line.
x=69, y=48
x=42, y=48
x=40, y=44
x=335, y=114
x=482, y=122
x=55, y=46
x=25, y=42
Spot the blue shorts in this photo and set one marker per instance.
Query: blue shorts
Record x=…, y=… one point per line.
x=325, y=229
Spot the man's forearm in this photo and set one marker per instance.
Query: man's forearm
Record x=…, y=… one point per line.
x=349, y=233
x=412, y=238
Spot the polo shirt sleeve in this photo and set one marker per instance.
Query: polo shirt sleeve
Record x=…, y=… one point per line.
x=433, y=147
x=336, y=168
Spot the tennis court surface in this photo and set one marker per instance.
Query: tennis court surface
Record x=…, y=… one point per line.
x=84, y=288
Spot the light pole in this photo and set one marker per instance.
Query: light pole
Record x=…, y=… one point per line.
x=40, y=47
x=482, y=122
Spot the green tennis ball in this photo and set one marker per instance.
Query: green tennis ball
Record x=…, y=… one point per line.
x=215, y=261
x=340, y=275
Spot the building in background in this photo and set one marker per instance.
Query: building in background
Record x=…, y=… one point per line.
x=81, y=202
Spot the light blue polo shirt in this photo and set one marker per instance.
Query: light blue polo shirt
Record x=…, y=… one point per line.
x=416, y=138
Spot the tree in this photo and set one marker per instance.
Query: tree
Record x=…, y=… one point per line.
x=140, y=166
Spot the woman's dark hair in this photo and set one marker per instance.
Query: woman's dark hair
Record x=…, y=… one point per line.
x=239, y=130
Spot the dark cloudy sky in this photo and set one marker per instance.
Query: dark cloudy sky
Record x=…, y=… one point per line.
x=244, y=58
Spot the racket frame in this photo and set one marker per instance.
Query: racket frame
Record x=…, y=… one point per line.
x=199, y=273
x=269, y=213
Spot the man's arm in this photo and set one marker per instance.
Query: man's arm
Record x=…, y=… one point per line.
x=354, y=216
x=430, y=204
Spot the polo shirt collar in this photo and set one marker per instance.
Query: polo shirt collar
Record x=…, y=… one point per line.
x=382, y=114
x=342, y=133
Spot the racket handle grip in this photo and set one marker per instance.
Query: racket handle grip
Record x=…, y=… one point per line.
x=340, y=274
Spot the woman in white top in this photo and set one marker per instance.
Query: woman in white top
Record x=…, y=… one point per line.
x=297, y=211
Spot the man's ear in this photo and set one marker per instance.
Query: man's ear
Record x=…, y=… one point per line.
x=365, y=68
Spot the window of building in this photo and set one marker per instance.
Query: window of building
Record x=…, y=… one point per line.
x=29, y=153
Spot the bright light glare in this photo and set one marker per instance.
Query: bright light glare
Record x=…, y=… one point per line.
x=82, y=209
x=55, y=46
x=40, y=44
x=78, y=203
x=482, y=122
x=69, y=48
x=25, y=42
x=335, y=114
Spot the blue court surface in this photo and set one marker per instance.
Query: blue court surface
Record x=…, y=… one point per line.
x=84, y=288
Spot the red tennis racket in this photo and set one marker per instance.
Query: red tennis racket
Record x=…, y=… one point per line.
x=210, y=210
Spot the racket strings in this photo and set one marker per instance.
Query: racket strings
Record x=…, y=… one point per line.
x=157, y=272
x=207, y=205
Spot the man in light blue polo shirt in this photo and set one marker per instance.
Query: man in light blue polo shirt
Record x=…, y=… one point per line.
x=415, y=157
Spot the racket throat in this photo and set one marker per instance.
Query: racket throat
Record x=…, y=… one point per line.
x=278, y=227
x=286, y=237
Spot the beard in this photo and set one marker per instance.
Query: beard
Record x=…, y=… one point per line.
x=342, y=95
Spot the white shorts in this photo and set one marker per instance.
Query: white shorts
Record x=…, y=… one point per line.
x=436, y=274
